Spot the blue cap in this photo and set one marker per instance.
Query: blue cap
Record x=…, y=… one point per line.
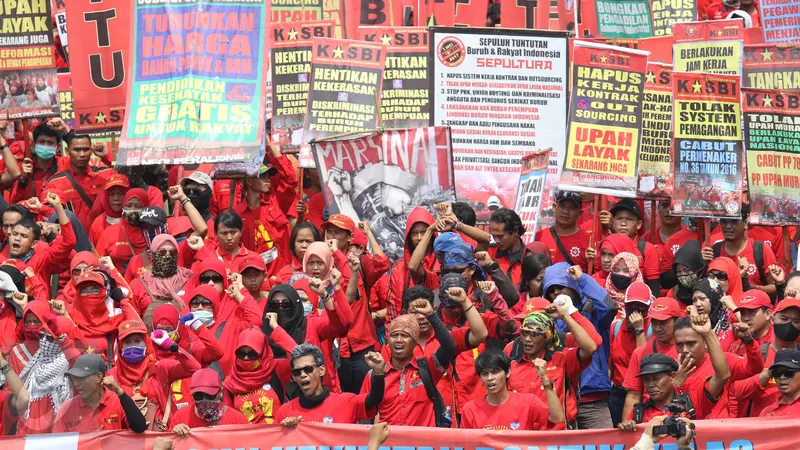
x=445, y=241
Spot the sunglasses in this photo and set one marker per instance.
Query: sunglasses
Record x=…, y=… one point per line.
x=721, y=276
x=246, y=354
x=78, y=272
x=729, y=222
x=190, y=192
x=286, y=304
x=786, y=373
x=307, y=369
x=200, y=396
x=201, y=302
x=215, y=278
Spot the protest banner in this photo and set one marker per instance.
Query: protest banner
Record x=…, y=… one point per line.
x=27, y=60
x=504, y=93
x=604, y=120
x=655, y=159
x=196, y=85
x=660, y=48
x=471, y=13
x=780, y=20
x=772, y=151
x=440, y=13
x=296, y=10
x=65, y=99
x=629, y=19
x=669, y=12
x=526, y=14
x=60, y=7
x=290, y=44
x=374, y=13
x=97, y=61
x=707, y=145
x=381, y=177
x=405, y=98
x=346, y=79
x=772, y=67
x=533, y=188
x=708, y=47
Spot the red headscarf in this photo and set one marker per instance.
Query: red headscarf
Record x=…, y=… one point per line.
x=167, y=315
x=132, y=232
x=133, y=374
x=90, y=314
x=241, y=381
x=313, y=297
x=616, y=244
x=116, y=180
x=209, y=292
x=727, y=265
x=38, y=309
x=88, y=258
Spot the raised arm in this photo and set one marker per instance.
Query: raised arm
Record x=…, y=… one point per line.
x=176, y=195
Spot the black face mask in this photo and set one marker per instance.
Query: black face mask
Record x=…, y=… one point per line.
x=201, y=200
x=786, y=332
x=620, y=281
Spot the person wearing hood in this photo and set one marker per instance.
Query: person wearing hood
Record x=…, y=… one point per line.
x=27, y=341
x=95, y=314
x=688, y=267
x=207, y=408
x=255, y=386
x=419, y=264
x=567, y=286
x=709, y=298
x=303, y=235
x=610, y=247
x=144, y=377
x=319, y=330
x=624, y=272
x=539, y=341
x=164, y=283
x=124, y=239
x=109, y=209
x=80, y=263
x=44, y=375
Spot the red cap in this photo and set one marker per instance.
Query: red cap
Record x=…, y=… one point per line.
x=538, y=247
x=532, y=305
x=340, y=221
x=664, y=308
x=118, y=179
x=639, y=292
x=786, y=303
x=206, y=381
x=359, y=238
x=252, y=261
x=130, y=327
x=754, y=299
x=90, y=277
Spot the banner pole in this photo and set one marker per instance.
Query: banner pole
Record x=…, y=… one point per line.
x=655, y=238
x=707, y=232
x=595, y=227
x=25, y=137
x=787, y=249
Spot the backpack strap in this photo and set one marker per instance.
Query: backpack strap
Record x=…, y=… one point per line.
x=649, y=331
x=758, y=256
x=560, y=246
x=617, y=327
x=641, y=244
x=718, y=248
x=431, y=391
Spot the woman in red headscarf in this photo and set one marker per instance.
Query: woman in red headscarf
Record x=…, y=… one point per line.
x=610, y=247
x=27, y=335
x=255, y=385
x=727, y=274
x=94, y=314
x=124, y=239
x=108, y=209
x=143, y=376
x=80, y=263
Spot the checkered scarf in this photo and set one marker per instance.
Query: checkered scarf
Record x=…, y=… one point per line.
x=45, y=375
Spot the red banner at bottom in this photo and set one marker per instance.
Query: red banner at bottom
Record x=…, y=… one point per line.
x=730, y=434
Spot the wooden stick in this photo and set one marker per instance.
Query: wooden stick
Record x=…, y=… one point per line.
x=707, y=232
x=787, y=249
x=595, y=228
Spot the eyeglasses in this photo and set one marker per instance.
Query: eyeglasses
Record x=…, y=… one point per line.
x=165, y=252
x=200, y=396
x=90, y=290
x=246, y=354
x=215, y=278
x=721, y=276
x=783, y=372
x=307, y=369
x=286, y=304
x=201, y=302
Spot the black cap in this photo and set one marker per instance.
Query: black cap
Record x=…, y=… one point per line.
x=153, y=215
x=574, y=197
x=788, y=357
x=657, y=363
x=628, y=204
x=88, y=364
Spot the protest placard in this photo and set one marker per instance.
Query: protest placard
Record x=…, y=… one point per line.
x=345, y=89
x=471, y=13
x=771, y=67
x=296, y=10
x=97, y=61
x=504, y=93
x=195, y=85
x=61, y=20
x=655, y=160
x=669, y=12
x=628, y=19
x=707, y=145
x=772, y=149
x=780, y=20
x=28, y=81
x=291, y=69
x=605, y=120
x=65, y=98
x=709, y=47
x=405, y=98
x=381, y=177
x=533, y=188
x=374, y=13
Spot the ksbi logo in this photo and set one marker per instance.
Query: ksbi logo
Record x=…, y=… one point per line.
x=101, y=119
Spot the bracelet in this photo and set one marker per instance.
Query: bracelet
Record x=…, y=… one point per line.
x=470, y=307
x=549, y=385
x=5, y=369
x=185, y=201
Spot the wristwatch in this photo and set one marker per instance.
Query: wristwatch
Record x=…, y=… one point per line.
x=638, y=332
x=5, y=369
x=549, y=385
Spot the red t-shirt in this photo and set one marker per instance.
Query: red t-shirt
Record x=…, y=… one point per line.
x=519, y=412
x=632, y=382
x=772, y=237
x=337, y=408
x=187, y=416
x=747, y=395
x=752, y=271
x=76, y=415
x=673, y=244
x=258, y=406
x=780, y=408
x=623, y=346
x=576, y=244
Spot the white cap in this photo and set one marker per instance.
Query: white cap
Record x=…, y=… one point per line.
x=200, y=178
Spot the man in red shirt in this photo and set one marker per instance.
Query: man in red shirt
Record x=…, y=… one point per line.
x=627, y=219
x=565, y=240
x=227, y=245
x=506, y=228
x=501, y=409
x=100, y=403
x=316, y=403
x=785, y=371
x=206, y=408
x=754, y=310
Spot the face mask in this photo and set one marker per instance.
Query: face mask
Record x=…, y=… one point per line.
x=134, y=355
x=44, y=151
x=32, y=331
x=687, y=280
x=201, y=200
x=209, y=410
x=164, y=266
x=247, y=366
x=786, y=332
x=131, y=215
x=308, y=308
x=207, y=317
x=620, y=281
